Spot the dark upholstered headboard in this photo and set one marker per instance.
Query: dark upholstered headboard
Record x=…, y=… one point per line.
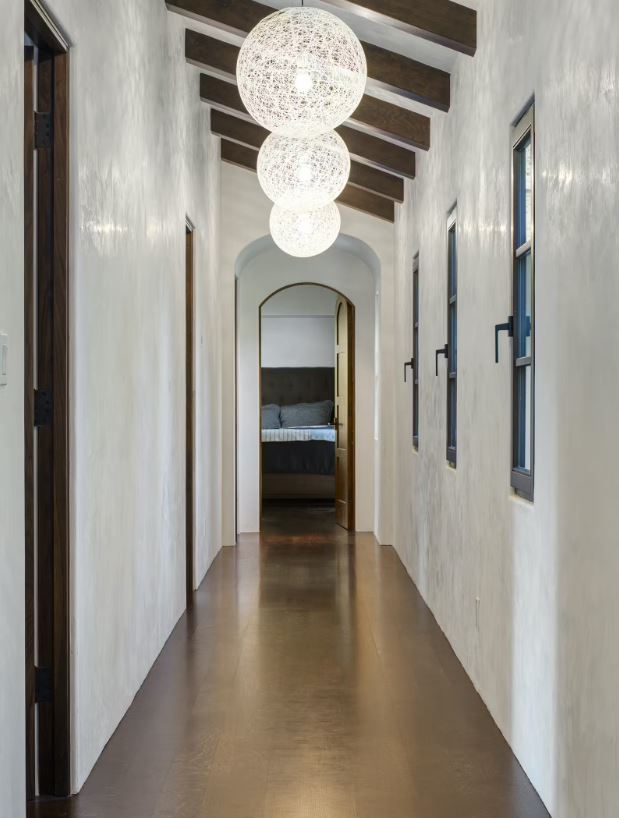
x=289, y=385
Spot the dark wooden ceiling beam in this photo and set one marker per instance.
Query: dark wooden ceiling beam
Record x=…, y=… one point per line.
x=367, y=149
x=441, y=21
x=393, y=72
x=378, y=152
x=364, y=200
x=379, y=117
x=376, y=181
x=252, y=135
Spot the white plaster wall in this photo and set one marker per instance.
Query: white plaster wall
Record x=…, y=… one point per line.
x=545, y=656
x=298, y=340
x=302, y=300
x=12, y=693
x=141, y=159
x=264, y=274
x=245, y=219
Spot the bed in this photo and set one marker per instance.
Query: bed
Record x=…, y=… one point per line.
x=298, y=462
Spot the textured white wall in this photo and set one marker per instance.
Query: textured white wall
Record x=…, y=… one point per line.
x=302, y=300
x=12, y=694
x=262, y=276
x=245, y=219
x=298, y=340
x=545, y=656
x=141, y=159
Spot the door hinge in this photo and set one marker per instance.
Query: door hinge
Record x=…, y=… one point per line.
x=43, y=407
x=42, y=129
x=43, y=684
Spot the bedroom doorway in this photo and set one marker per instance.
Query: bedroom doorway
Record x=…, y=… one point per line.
x=307, y=402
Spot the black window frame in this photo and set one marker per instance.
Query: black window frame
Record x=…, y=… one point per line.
x=452, y=338
x=416, y=359
x=523, y=250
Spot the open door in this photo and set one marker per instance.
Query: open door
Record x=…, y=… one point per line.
x=345, y=414
x=46, y=404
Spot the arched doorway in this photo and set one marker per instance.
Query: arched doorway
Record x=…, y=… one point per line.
x=307, y=400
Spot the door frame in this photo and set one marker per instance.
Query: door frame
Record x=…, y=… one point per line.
x=189, y=407
x=351, y=379
x=52, y=686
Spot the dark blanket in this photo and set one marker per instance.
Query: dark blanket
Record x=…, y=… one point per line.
x=299, y=457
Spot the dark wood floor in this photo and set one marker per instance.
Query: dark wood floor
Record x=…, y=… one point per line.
x=308, y=681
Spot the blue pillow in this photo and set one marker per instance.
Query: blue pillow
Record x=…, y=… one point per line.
x=270, y=416
x=306, y=414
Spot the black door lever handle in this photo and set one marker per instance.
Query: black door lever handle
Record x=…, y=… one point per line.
x=442, y=351
x=410, y=363
x=507, y=327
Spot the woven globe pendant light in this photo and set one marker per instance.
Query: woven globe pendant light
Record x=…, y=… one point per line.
x=301, y=72
x=303, y=174
x=307, y=233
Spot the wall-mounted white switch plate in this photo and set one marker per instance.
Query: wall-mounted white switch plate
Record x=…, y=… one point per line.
x=4, y=359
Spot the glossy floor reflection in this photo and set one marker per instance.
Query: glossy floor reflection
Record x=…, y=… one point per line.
x=308, y=681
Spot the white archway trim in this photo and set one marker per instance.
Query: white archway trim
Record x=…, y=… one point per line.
x=344, y=242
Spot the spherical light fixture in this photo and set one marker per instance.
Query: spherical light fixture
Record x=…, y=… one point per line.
x=307, y=233
x=301, y=72
x=303, y=174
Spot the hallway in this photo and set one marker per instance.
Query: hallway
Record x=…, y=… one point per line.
x=309, y=679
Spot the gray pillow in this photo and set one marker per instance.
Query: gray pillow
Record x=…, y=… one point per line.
x=306, y=414
x=270, y=416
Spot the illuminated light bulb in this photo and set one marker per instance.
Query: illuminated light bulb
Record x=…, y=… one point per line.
x=301, y=72
x=303, y=174
x=305, y=234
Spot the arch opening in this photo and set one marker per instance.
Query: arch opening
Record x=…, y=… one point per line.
x=306, y=403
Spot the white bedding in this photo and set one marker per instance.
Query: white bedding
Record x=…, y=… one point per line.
x=326, y=433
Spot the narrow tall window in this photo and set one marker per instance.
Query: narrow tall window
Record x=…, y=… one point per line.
x=523, y=410
x=452, y=337
x=416, y=351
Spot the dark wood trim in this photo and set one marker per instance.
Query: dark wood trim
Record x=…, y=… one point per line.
x=451, y=451
x=361, y=175
x=62, y=656
x=415, y=357
x=385, y=119
x=408, y=78
x=376, y=116
x=29, y=334
x=523, y=481
x=376, y=181
x=441, y=21
x=379, y=153
x=47, y=234
x=371, y=203
x=45, y=466
x=237, y=129
x=364, y=147
x=352, y=458
x=42, y=29
x=392, y=72
x=189, y=412
x=367, y=202
x=239, y=155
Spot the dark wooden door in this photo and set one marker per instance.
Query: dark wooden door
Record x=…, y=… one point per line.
x=345, y=414
x=46, y=375
x=189, y=409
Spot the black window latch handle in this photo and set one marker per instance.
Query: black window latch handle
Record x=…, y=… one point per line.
x=507, y=327
x=442, y=351
x=410, y=363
